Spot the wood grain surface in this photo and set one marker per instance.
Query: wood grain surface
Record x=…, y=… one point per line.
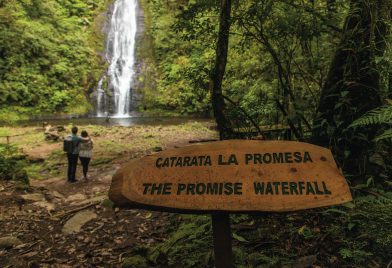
x=232, y=176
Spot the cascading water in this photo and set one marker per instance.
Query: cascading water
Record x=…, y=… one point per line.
x=120, y=53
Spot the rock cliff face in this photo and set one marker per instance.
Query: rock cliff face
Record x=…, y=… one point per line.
x=138, y=81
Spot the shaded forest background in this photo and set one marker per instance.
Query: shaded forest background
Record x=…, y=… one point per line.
x=320, y=70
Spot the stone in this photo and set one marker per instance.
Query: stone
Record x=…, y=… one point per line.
x=44, y=204
x=58, y=195
x=74, y=224
x=150, y=241
x=156, y=149
x=8, y=242
x=52, y=136
x=60, y=128
x=33, y=197
x=90, y=200
x=76, y=197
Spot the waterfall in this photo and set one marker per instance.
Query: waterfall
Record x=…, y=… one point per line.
x=120, y=54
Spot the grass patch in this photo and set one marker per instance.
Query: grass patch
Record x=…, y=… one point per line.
x=5, y=131
x=34, y=171
x=12, y=164
x=102, y=161
x=12, y=114
x=111, y=144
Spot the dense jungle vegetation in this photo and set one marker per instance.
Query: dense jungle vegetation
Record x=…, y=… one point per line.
x=316, y=67
x=271, y=45
x=49, y=56
x=321, y=68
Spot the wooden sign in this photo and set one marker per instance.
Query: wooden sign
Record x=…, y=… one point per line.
x=232, y=176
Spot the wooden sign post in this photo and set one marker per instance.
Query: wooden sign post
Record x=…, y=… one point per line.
x=232, y=176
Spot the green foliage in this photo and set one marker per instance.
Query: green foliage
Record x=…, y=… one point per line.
x=367, y=219
x=177, y=64
x=12, y=114
x=49, y=54
x=258, y=259
x=192, y=237
x=351, y=235
x=355, y=252
x=380, y=115
x=135, y=262
x=12, y=164
x=299, y=46
x=279, y=57
x=386, y=135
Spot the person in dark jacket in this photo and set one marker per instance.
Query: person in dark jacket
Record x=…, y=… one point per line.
x=73, y=154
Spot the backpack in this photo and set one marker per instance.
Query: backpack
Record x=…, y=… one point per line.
x=68, y=145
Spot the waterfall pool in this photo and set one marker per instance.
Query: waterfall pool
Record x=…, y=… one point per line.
x=126, y=122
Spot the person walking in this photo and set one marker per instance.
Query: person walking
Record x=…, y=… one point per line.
x=71, y=147
x=85, y=152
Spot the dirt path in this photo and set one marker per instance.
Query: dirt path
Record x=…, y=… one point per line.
x=41, y=152
x=72, y=225
x=58, y=224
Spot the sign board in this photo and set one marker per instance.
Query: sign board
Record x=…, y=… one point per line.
x=232, y=176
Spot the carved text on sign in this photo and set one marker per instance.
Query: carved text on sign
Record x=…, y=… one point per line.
x=233, y=176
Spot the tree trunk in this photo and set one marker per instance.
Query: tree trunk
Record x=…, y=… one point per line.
x=352, y=85
x=216, y=77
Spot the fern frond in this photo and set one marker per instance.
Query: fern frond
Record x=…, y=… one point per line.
x=386, y=135
x=380, y=115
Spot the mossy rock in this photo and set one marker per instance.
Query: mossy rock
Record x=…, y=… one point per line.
x=135, y=262
x=107, y=203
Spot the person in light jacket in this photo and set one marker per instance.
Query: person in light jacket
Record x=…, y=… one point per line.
x=85, y=152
